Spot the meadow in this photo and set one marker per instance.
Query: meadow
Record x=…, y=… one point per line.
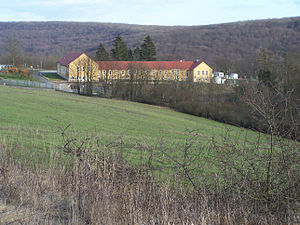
x=71, y=159
x=43, y=110
x=43, y=114
x=52, y=76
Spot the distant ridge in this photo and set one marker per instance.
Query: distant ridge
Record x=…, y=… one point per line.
x=237, y=41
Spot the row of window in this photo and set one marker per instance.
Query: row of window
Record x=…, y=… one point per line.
x=154, y=72
x=83, y=69
x=199, y=72
x=83, y=78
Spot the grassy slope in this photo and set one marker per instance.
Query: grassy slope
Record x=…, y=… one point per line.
x=52, y=76
x=32, y=119
x=50, y=110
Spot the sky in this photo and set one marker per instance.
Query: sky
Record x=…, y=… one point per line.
x=148, y=12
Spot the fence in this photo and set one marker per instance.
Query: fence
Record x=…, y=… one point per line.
x=28, y=83
x=65, y=87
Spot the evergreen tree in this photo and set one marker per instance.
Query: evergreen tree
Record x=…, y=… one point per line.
x=130, y=55
x=148, y=51
x=119, y=51
x=101, y=53
x=266, y=71
x=137, y=54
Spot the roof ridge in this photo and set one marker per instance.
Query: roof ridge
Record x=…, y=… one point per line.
x=69, y=57
x=187, y=65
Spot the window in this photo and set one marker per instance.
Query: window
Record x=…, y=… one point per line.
x=198, y=73
x=128, y=72
x=166, y=72
x=110, y=72
x=78, y=68
x=123, y=72
x=88, y=69
x=206, y=72
x=72, y=78
x=83, y=68
x=202, y=72
x=103, y=72
x=178, y=71
x=153, y=72
x=159, y=72
x=116, y=72
x=172, y=72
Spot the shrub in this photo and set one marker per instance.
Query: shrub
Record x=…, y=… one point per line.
x=23, y=71
x=13, y=70
x=4, y=71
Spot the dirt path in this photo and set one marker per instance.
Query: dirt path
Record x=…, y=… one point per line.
x=41, y=78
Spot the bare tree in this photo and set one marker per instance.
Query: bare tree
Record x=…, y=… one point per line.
x=86, y=74
x=14, y=51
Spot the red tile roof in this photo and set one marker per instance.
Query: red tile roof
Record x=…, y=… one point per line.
x=168, y=65
x=68, y=58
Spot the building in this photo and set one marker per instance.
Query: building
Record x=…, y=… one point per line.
x=218, y=74
x=234, y=76
x=78, y=66
x=155, y=70
x=5, y=67
x=220, y=78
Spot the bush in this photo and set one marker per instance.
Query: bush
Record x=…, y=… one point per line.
x=13, y=70
x=95, y=183
x=4, y=71
x=23, y=71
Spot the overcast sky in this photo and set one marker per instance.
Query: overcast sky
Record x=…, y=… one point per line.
x=150, y=12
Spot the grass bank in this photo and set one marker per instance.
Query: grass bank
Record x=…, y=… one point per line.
x=52, y=76
x=148, y=164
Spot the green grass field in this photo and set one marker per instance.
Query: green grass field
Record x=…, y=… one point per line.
x=16, y=76
x=32, y=120
x=52, y=76
x=35, y=109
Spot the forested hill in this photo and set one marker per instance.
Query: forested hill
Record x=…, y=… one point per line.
x=239, y=40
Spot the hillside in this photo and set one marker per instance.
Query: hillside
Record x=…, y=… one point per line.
x=70, y=159
x=42, y=114
x=233, y=41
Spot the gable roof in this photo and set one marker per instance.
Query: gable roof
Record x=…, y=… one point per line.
x=164, y=65
x=68, y=58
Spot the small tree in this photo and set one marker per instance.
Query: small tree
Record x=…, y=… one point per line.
x=137, y=54
x=14, y=50
x=130, y=55
x=273, y=106
x=148, y=51
x=119, y=51
x=265, y=64
x=101, y=53
x=86, y=74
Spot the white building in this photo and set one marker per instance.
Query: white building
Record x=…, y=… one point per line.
x=220, y=78
x=234, y=76
x=218, y=74
x=4, y=67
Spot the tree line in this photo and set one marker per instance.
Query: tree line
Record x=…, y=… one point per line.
x=120, y=51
